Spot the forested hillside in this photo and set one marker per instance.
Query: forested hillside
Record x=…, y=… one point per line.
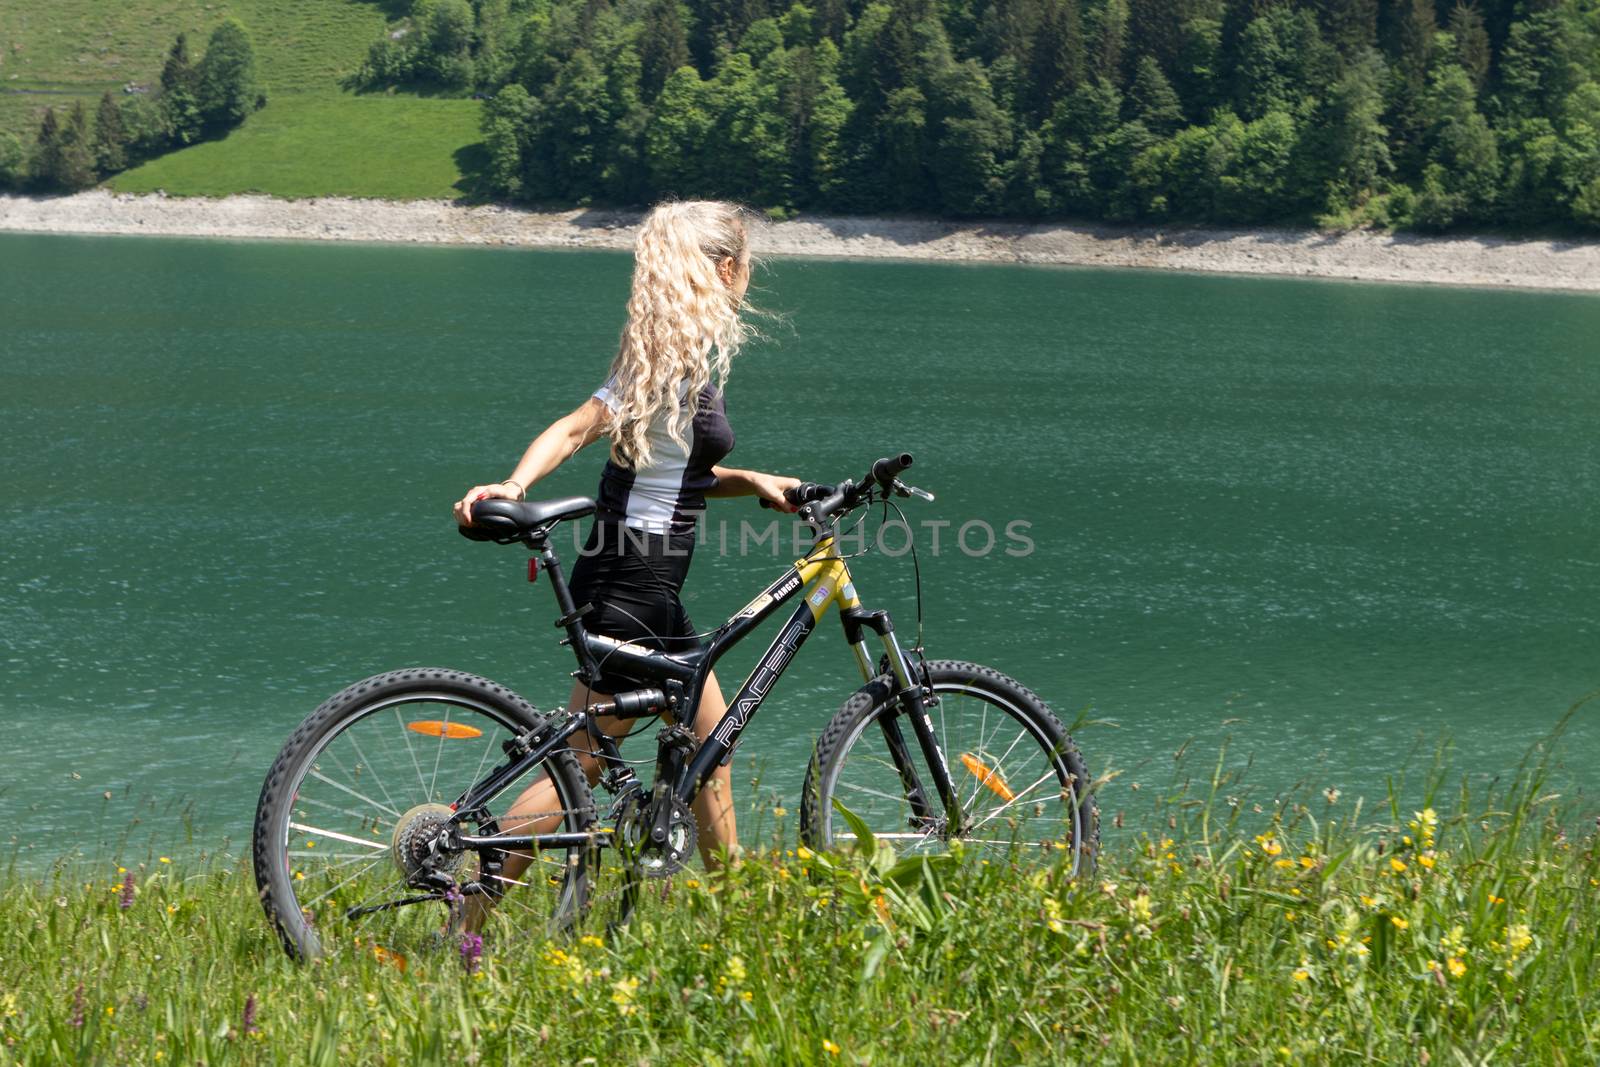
x=1394, y=112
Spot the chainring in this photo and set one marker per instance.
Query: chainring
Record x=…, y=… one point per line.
x=645, y=857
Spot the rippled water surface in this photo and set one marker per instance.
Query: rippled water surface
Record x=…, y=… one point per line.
x=1326, y=522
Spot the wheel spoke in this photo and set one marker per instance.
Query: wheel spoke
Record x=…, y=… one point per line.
x=977, y=711
x=346, y=838
x=319, y=776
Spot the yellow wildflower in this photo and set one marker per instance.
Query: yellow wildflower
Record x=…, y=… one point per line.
x=1399, y=923
x=592, y=941
x=622, y=995
x=829, y=1047
x=736, y=968
x=780, y=812
x=1283, y=865
x=747, y=996
x=1456, y=966
x=1396, y=865
x=1307, y=862
x=1426, y=859
x=1301, y=975
x=691, y=883
x=1518, y=938
x=163, y=859
x=1139, y=907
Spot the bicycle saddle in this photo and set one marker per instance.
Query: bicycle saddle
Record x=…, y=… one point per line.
x=505, y=521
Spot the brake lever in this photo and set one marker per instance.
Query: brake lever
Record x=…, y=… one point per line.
x=902, y=489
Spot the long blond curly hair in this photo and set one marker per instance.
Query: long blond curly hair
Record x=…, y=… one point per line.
x=684, y=325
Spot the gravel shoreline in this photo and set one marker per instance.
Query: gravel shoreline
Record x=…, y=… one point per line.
x=1476, y=261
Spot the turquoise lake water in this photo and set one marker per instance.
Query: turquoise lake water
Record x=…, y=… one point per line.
x=1328, y=524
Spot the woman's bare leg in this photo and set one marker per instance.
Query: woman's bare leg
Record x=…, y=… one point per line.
x=537, y=810
x=713, y=807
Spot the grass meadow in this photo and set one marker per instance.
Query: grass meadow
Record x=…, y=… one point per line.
x=312, y=139
x=1314, y=928
x=328, y=144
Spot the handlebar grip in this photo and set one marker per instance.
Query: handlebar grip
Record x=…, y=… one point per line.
x=888, y=468
x=802, y=494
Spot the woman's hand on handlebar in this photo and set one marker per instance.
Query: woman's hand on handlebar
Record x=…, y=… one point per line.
x=771, y=487
x=496, y=491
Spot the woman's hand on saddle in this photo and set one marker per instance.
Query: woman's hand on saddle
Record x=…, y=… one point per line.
x=770, y=487
x=497, y=491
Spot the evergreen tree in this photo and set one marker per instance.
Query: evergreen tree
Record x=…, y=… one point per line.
x=1350, y=26
x=1152, y=101
x=225, y=80
x=1056, y=61
x=1543, y=64
x=1417, y=28
x=663, y=45
x=1198, y=76
x=1462, y=174
x=1472, y=42
x=47, y=166
x=75, y=158
x=1354, y=149
x=827, y=164
x=178, y=94
x=1109, y=40
x=1156, y=28
x=110, y=140
x=972, y=140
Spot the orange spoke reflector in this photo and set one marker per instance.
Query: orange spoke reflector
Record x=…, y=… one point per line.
x=435, y=728
x=977, y=768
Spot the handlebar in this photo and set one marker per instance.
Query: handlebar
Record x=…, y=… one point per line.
x=848, y=494
x=818, y=503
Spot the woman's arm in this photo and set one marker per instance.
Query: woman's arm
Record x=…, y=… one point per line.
x=732, y=481
x=561, y=439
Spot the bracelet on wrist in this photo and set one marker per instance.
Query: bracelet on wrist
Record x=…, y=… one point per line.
x=522, y=490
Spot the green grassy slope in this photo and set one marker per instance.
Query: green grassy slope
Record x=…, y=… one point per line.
x=312, y=139
x=327, y=144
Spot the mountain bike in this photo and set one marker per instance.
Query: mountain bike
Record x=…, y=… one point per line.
x=378, y=821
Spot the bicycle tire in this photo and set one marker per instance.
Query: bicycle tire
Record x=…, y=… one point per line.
x=887, y=805
x=362, y=821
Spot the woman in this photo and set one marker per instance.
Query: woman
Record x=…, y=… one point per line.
x=661, y=407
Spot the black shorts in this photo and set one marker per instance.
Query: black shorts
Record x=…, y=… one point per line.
x=633, y=580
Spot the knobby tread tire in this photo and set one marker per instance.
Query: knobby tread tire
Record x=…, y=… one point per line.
x=272, y=884
x=878, y=692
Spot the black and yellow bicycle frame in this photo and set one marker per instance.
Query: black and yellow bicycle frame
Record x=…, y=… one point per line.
x=821, y=578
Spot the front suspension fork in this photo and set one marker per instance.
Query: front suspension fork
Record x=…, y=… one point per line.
x=911, y=702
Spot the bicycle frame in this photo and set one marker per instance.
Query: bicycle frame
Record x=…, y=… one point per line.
x=824, y=576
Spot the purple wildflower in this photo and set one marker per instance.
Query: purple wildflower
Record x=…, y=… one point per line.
x=471, y=951
x=248, y=1023
x=126, y=900
x=77, y=1007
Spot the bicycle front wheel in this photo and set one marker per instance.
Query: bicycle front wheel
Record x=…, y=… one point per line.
x=348, y=829
x=1020, y=782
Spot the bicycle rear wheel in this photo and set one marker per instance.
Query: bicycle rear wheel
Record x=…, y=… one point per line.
x=352, y=811
x=1021, y=782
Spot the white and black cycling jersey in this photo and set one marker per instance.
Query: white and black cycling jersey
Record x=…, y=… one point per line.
x=668, y=494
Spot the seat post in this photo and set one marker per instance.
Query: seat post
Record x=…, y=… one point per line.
x=569, y=610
